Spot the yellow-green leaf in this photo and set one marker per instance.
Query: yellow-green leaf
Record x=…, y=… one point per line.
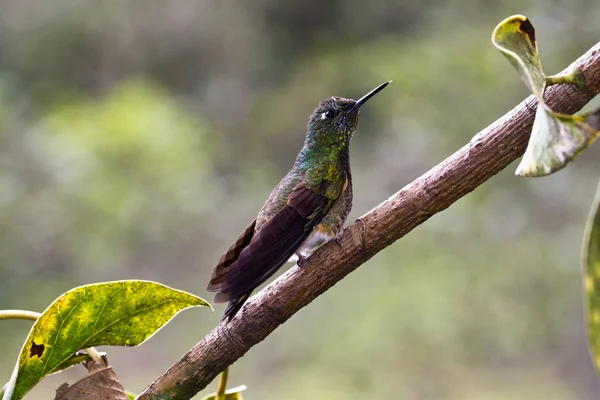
x=33, y=316
x=556, y=138
x=591, y=263
x=230, y=394
x=515, y=38
x=122, y=313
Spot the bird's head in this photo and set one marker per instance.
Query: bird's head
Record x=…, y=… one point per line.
x=333, y=122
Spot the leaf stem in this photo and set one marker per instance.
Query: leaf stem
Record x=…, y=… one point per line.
x=95, y=355
x=222, y=385
x=574, y=77
x=19, y=314
x=33, y=316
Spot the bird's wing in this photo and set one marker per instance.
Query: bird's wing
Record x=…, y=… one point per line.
x=231, y=256
x=277, y=240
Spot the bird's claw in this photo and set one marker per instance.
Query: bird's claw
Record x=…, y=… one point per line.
x=337, y=241
x=300, y=261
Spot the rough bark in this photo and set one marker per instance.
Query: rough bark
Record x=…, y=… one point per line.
x=488, y=152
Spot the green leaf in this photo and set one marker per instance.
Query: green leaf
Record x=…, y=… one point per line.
x=230, y=394
x=556, y=138
x=122, y=313
x=515, y=38
x=33, y=316
x=591, y=262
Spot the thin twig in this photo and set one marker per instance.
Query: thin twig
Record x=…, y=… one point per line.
x=222, y=385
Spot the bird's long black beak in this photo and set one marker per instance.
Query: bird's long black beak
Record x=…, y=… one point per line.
x=367, y=96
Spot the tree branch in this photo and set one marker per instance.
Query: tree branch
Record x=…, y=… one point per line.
x=490, y=151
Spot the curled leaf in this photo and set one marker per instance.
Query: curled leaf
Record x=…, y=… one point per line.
x=122, y=313
x=515, y=38
x=101, y=383
x=556, y=138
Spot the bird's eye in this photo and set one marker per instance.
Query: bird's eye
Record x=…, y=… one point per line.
x=330, y=113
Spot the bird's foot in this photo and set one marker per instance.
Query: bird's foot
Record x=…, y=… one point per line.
x=337, y=241
x=300, y=260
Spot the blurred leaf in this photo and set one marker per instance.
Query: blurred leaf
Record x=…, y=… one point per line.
x=230, y=394
x=122, y=313
x=591, y=260
x=556, y=138
x=101, y=383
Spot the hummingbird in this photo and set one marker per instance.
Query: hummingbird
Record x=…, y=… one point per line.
x=304, y=211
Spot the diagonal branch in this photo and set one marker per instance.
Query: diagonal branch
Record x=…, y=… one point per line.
x=490, y=151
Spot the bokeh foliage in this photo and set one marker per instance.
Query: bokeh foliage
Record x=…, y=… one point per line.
x=137, y=142
x=591, y=258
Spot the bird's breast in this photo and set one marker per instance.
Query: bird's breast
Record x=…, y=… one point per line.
x=320, y=235
x=332, y=223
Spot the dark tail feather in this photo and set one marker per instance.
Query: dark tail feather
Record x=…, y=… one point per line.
x=234, y=306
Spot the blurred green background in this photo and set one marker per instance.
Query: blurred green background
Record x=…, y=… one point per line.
x=139, y=138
